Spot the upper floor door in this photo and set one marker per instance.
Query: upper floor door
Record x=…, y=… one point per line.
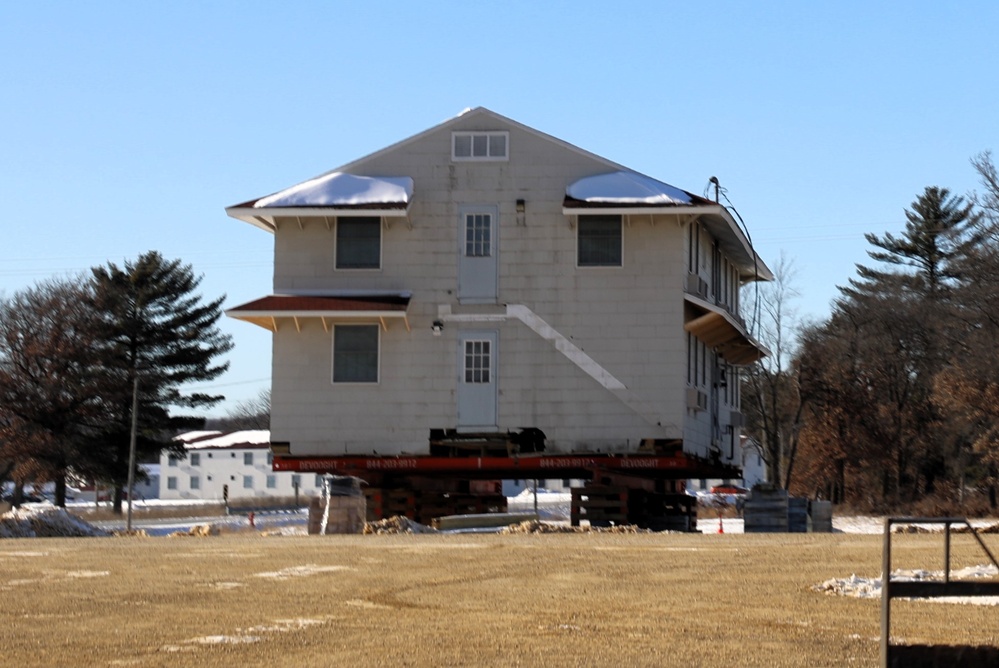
x=478, y=254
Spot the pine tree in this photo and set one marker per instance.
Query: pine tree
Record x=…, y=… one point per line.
x=156, y=329
x=938, y=233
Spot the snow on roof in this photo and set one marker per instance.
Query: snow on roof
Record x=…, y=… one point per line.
x=626, y=188
x=340, y=189
x=190, y=436
x=248, y=438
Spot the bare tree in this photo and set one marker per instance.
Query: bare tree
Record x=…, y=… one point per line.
x=772, y=399
x=50, y=381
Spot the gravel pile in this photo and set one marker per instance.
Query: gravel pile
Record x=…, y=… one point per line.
x=397, y=524
x=44, y=521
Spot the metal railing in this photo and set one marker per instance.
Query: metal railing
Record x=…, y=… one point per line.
x=926, y=588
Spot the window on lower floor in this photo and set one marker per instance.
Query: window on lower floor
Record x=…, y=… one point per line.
x=195, y=482
x=248, y=482
x=355, y=354
x=171, y=483
x=599, y=241
x=296, y=480
x=271, y=481
x=358, y=242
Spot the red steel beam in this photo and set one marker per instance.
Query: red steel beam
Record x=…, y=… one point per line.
x=553, y=466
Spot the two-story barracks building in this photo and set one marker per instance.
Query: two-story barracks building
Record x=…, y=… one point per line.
x=485, y=278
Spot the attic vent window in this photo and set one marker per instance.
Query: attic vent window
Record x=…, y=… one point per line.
x=479, y=146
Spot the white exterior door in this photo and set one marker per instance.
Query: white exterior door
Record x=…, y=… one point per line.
x=477, y=382
x=478, y=254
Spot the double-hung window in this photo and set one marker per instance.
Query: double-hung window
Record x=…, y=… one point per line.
x=355, y=354
x=599, y=241
x=358, y=242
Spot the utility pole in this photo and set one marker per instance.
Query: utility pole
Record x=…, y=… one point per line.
x=131, y=450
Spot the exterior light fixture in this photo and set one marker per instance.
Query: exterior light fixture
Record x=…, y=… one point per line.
x=437, y=327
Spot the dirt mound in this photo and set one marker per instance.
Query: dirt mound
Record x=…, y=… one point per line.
x=44, y=521
x=535, y=526
x=397, y=524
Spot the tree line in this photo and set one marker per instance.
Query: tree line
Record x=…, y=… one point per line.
x=894, y=398
x=76, y=352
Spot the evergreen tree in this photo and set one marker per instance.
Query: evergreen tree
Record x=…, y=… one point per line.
x=939, y=232
x=154, y=328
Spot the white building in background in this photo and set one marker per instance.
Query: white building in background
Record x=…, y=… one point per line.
x=754, y=469
x=240, y=460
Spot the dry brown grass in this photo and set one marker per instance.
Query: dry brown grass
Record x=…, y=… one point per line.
x=433, y=600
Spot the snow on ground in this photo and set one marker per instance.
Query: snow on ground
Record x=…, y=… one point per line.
x=861, y=587
x=42, y=520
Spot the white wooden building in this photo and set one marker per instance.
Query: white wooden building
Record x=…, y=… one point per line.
x=239, y=460
x=485, y=277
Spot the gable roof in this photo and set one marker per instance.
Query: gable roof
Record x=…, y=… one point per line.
x=642, y=194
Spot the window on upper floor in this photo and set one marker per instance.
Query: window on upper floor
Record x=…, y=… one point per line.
x=599, y=241
x=358, y=242
x=171, y=461
x=478, y=235
x=248, y=459
x=195, y=459
x=355, y=354
x=479, y=145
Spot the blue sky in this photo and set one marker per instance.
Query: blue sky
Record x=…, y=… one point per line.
x=128, y=127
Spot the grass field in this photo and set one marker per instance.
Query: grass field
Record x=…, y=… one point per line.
x=464, y=600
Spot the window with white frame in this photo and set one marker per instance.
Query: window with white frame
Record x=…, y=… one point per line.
x=358, y=242
x=355, y=354
x=599, y=241
x=248, y=482
x=195, y=482
x=171, y=482
x=478, y=361
x=271, y=481
x=195, y=459
x=479, y=145
x=248, y=459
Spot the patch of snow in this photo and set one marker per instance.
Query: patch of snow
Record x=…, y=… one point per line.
x=43, y=520
x=337, y=188
x=626, y=188
x=224, y=640
x=299, y=571
x=861, y=587
x=88, y=574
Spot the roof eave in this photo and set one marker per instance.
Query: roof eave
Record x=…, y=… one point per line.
x=264, y=217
